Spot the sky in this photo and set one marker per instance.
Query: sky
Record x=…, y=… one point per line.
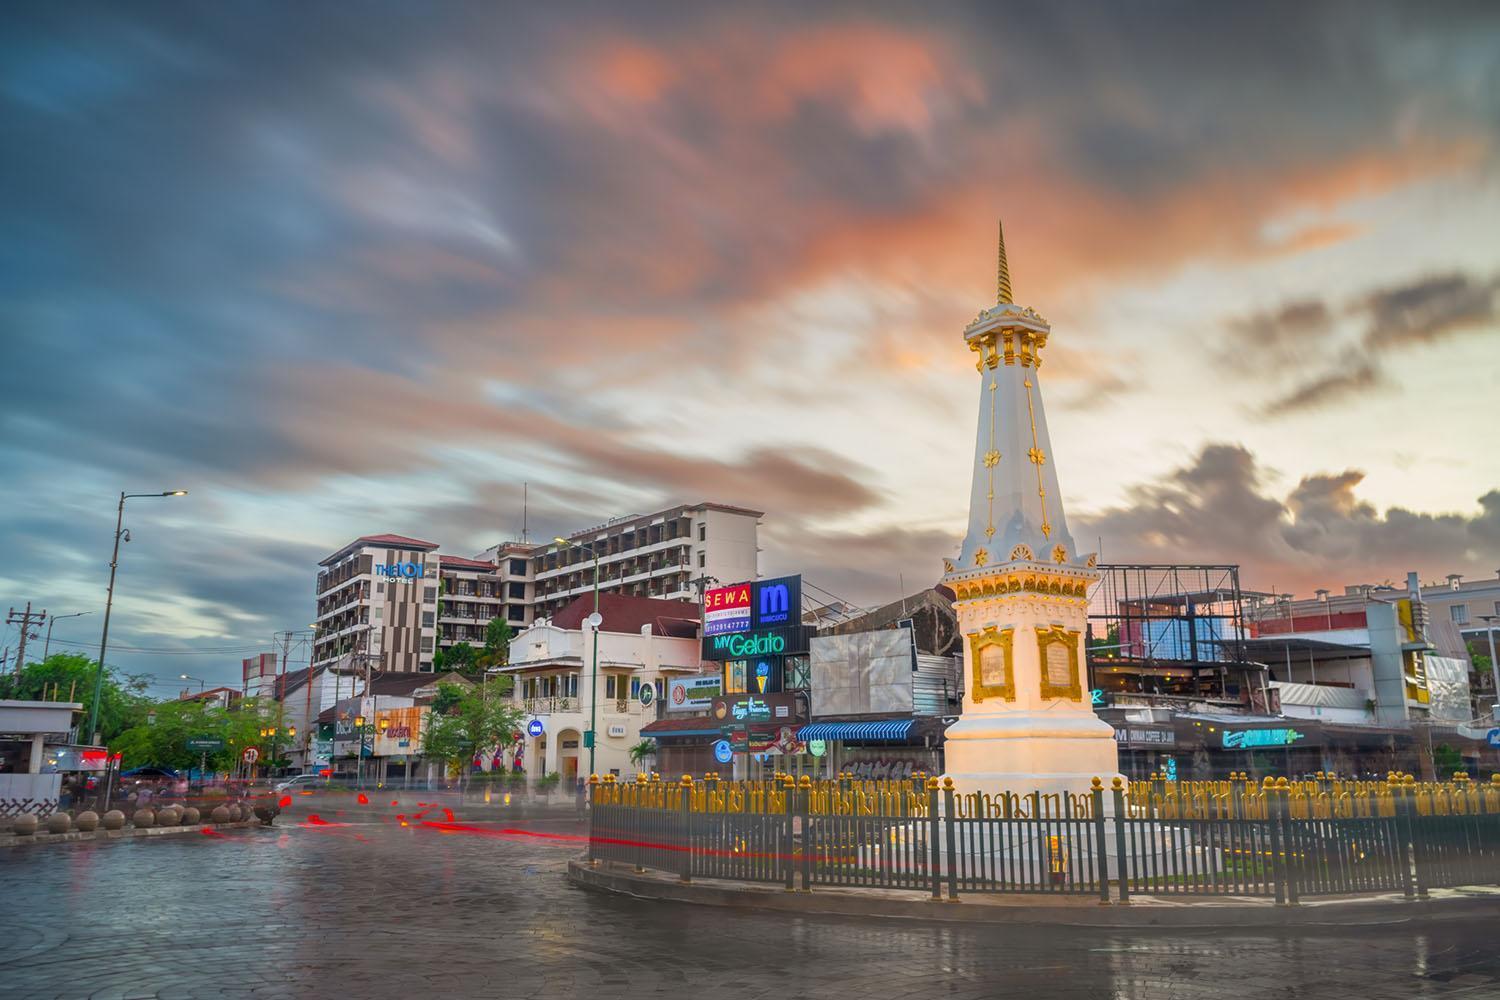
x=339, y=269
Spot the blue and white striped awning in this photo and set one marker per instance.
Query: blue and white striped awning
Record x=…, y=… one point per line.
x=893, y=729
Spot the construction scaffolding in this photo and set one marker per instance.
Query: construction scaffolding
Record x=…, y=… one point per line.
x=1171, y=630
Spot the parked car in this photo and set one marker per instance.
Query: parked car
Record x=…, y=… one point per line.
x=336, y=779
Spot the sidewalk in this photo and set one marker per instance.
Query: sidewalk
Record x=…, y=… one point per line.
x=1017, y=908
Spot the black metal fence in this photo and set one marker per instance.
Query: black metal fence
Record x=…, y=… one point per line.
x=1277, y=840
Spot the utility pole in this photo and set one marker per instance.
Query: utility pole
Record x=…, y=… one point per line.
x=25, y=619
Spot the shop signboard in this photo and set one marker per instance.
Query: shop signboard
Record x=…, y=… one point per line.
x=758, y=642
x=776, y=603
x=726, y=609
x=723, y=752
x=693, y=694
x=751, y=709
x=1134, y=736
x=1257, y=739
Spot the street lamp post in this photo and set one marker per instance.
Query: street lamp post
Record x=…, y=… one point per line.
x=109, y=600
x=47, y=646
x=185, y=677
x=1489, y=631
x=595, y=620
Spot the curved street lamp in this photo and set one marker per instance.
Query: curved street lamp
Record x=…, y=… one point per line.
x=109, y=600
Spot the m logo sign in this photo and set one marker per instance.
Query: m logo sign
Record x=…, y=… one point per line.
x=773, y=604
x=778, y=602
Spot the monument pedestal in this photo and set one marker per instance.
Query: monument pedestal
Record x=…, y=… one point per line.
x=1028, y=723
x=1026, y=752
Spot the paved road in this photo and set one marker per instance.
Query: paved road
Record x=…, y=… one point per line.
x=376, y=910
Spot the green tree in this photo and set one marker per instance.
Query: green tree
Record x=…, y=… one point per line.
x=466, y=720
x=642, y=750
x=162, y=739
x=459, y=656
x=70, y=677
x=497, y=637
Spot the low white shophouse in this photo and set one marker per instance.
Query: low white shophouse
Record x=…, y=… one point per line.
x=643, y=642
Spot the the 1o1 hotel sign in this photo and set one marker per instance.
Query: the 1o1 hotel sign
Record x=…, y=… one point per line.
x=399, y=571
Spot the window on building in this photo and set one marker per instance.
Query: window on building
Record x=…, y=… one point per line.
x=517, y=590
x=609, y=685
x=703, y=532
x=518, y=567
x=797, y=673
x=1459, y=613
x=515, y=613
x=702, y=559
x=427, y=619
x=661, y=689
x=429, y=595
x=378, y=612
x=735, y=675
x=426, y=643
x=635, y=687
x=380, y=588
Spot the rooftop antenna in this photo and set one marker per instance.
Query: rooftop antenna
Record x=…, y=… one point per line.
x=525, y=508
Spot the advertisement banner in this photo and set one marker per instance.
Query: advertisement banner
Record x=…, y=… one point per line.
x=756, y=709
x=693, y=694
x=758, y=643
x=777, y=603
x=726, y=609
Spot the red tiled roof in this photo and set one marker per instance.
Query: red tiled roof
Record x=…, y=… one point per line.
x=399, y=541
x=624, y=613
x=461, y=563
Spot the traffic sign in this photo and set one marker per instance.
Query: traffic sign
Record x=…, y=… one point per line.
x=646, y=694
x=205, y=744
x=723, y=752
x=1493, y=737
x=535, y=728
x=250, y=756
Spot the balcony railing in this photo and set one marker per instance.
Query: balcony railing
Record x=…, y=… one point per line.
x=550, y=706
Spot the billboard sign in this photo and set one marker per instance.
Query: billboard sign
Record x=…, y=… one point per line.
x=777, y=603
x=693, y=694
x=747, y=709
x=757, y=643
x=726, y=609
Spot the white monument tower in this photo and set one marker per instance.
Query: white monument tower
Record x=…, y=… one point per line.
x=1021, y=585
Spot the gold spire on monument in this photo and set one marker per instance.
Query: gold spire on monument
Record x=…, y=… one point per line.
x=1003, y=294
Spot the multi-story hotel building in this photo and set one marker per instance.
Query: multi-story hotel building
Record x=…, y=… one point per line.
x=671, y=554
x=390, y=601
x=377, y=605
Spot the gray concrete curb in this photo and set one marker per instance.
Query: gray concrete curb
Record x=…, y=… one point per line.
x=1146, y=912
x=78, y=836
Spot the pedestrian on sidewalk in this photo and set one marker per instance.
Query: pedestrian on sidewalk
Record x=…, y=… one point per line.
x=581, y=798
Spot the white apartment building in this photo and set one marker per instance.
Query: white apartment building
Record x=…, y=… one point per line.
x=642, y=643
x=672, y=554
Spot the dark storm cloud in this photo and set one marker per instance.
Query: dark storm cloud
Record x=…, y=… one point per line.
x=1221, y=508
x=1392, y=320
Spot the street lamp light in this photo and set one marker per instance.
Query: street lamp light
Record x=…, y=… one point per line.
x=187, y=678
x=109, y=600
x=53, y=621
x=594, y=620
